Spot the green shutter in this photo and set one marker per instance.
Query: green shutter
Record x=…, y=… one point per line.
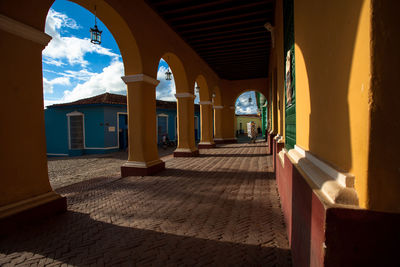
x=261, y=100
x=290, y=108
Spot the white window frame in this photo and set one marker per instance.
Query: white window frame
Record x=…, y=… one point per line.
x=76, y=113
x=161, y=115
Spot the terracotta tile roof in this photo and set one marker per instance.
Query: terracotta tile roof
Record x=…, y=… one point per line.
x=105, y=98
x=108, y=98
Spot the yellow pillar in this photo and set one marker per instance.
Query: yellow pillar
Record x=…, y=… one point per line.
x=185, y=113
x=143, y=156
x=228, y=124
x=218, y=124
x=25, y=190
x=206, y=111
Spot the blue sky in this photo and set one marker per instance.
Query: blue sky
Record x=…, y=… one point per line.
x=74, y=68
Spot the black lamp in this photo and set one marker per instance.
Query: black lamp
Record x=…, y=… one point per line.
x=95, y=34
x=168, y=75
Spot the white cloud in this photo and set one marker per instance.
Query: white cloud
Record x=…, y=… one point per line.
x=48, y=85
x=243, y=106
x=72, y=49
x=55, y=62
x=107, y=81
x=166, y=89
x=82, y=75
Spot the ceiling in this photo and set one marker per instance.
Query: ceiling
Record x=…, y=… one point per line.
x=229, y=35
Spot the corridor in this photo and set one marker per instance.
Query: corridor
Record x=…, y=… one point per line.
x=221, y=208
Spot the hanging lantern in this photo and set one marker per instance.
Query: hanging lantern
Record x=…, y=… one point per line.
x=197, y=89
x=168, y=75
x=95, y=34
x=213, y=95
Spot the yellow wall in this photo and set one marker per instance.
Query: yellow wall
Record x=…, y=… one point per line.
x=333, y=72
x=244, y=120
x=276, y=67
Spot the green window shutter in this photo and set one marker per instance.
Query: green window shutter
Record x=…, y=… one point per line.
x=290, y=76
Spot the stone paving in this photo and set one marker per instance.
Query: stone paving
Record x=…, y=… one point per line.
x=220, y=209
x=64, y=171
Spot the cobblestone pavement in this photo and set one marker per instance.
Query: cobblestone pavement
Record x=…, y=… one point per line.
x=70, y=170
x=220, y=209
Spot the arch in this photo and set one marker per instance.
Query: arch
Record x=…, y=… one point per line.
x=248, y=90
x=179, y=73
x=204, y=91
x=120, y=30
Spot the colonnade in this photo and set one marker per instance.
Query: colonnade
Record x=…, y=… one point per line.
x=143, y=156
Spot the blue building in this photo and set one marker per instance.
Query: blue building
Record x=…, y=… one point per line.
x=99, y=124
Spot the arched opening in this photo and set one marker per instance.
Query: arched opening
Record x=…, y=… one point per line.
x=251, y=115
x=184, y=107
x=203, y=106
x=86, y=116
x=166, y=109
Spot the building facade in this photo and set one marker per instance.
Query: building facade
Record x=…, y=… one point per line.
x=99, y=124
x=242, y=120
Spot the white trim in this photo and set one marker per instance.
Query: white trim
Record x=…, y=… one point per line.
x=281, y=156
x=140, y=78
x=24, y=31
x=185, y=95
x=161, y=115
x=76, y=113
x=141, y=164
x=17, y=207
x=55, y=154
x=327, y=186
x=206, y=143
x=205, y=103
x=345, y=179
x=218, y=107
x=121, y=113
x=106, y=148
x=185, y=150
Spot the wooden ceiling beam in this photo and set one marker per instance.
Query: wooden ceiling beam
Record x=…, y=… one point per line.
x=221, y=19
x=193, y=7
x=236, y=41
x=238, y=61
x=235, y=51
x=239, y=45
x=224, y=37
x=218, y=11
x=224, y=25
x=223, y=33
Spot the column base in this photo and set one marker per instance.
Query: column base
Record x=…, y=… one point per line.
x=135, y=168
x=182, y=152
x=205, y=145
x=34, y=208
x=225, y=141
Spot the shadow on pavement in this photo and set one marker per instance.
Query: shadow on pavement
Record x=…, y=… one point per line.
x=77, y=239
